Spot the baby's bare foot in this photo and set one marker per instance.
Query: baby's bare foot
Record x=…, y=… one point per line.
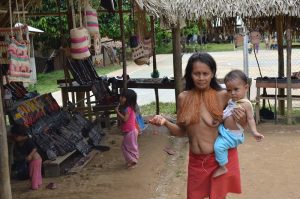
x=220, y=171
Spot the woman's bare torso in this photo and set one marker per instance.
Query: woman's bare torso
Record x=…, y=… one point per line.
x=203, y=134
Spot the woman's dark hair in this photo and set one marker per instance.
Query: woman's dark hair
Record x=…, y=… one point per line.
x=131, y=98
x=236, y=74
x=203, y=58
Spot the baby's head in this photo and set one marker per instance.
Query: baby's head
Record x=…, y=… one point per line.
x=236, y=83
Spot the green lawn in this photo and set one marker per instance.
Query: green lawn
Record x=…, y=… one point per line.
x=165, y=108
x=46, y=82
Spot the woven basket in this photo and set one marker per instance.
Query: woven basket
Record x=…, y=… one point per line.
x=142, y=61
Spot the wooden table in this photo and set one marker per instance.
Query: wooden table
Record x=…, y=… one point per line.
x=149, y=83
x=276, y=83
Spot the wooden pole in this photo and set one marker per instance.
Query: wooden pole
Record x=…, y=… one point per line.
x=279, y=28
x=177, y=62
x=5, y=190
x=288, y=69
x=72, y=13
x=153, y=43
x=120, y=3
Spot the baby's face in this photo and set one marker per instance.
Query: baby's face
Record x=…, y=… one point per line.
x=237, y=89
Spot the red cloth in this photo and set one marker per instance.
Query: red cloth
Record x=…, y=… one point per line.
x=201, y=184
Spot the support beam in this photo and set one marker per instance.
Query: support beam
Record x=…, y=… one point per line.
x=153, y=43
x=5, y=189
x=177, y=62
x=279, y=28
x=120, y=3
x=289, y=69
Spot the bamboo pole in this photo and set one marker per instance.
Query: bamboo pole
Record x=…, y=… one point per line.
x=279, y=28
x=120, y=3
x=177, y=62
x=5, y=190
x=289, y=69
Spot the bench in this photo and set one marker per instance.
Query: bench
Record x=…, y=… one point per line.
x=275, y=83
x=54, y=168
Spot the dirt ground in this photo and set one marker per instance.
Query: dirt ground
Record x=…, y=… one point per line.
x=269, y=170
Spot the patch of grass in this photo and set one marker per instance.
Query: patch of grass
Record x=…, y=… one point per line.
x=212, y=47
x=46, y=82
x=179, y=174
x=164, y=48
x=108, y=69
x=165, y=108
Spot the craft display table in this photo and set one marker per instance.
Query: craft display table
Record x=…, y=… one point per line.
x=276, y=83
x=78, y=95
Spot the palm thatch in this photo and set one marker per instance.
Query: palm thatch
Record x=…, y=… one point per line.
x=170, y=11
x=4, y=9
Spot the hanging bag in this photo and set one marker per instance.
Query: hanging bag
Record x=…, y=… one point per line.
x=91, y=20
x=80, y=39
x=19, y=62
x=80, y=42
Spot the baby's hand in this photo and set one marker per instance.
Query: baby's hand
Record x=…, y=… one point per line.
x=258, y=136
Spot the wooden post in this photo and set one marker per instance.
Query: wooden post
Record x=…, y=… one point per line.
x=177, y=62
x=5, y=190
x=120, y=2
x=279, y=28
x=288, y=69
x=73, y=14
x=153, y=43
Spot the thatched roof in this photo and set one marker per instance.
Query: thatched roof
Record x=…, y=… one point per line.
x=4, y=9
x=171, y=10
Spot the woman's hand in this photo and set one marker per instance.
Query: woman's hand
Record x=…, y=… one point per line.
x=239, y=115
x=158, y=120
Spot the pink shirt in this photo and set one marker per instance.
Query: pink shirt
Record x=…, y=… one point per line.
x=129, y=125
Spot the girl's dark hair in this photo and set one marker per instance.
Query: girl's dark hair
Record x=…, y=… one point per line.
x=236, y=74
x=203, y=58
x=131, y=98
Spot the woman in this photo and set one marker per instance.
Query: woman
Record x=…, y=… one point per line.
x=200, y=110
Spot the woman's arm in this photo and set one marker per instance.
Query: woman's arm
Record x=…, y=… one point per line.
x=175, y=129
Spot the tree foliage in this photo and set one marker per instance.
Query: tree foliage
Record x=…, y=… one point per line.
x=56, y=28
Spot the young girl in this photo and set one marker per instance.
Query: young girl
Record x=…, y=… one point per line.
x=231, y=134
x=28, y=150
x=128, y=126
